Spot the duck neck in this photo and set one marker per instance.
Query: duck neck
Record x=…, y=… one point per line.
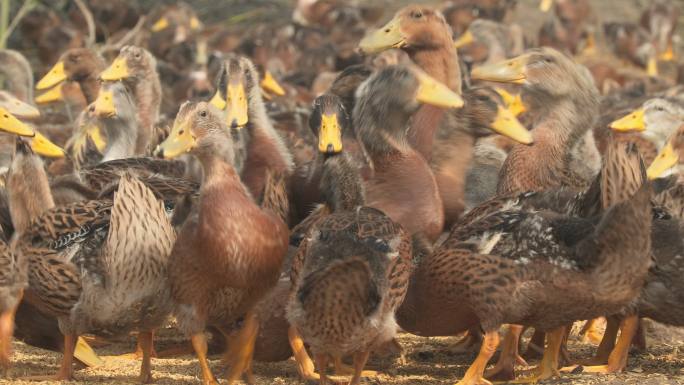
x=219, y=175
x=122, y=132
x=90, y=86
x=441, y=63
x=147, y=93
x=28, y=190
x=341, y=184
x=383, y=134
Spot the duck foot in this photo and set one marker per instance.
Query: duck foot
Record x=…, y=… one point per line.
x=548, y=367
x=240, y=351
x=475, y=373
x=66, y=369
x=199, y=343
x=342, y=369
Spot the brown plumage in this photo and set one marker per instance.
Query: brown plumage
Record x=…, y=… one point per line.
x=229, y=250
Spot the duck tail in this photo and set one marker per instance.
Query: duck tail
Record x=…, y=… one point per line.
x=344, y=285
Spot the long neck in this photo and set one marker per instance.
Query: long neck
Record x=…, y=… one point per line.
x=558, y=126
x=147, y=94
x=381, y=132
x=122, y=133
x=442, y=64
x=341, y=184
x=29, y=191
x=90, y=86
x=260, y=121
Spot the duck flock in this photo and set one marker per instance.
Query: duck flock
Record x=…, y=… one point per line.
x=312, y=186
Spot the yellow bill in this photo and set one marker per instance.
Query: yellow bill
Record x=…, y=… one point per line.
x=513, y=102
x=116, y=71
x=652, y=67
x=217, y=101
x=634, y=121
x=269, y=84
x=95, y=135
x=160, y=25
x=179, y=141
x=505, y=123
x=430, y=91
x=465, y=39
x=44, y=147
x=666, y=159
x=55, y=76
x=545, y=5
x=507, y=71
x=104, y=104
x=330, y=135
x=237, y=105
x=54, y=94
x=10, y=124
x=195, y=23
x=669, y=54
x=389, y=36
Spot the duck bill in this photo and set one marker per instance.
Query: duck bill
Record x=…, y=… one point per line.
x=669, y=54
x=218, y=102
x=652, y=67
x=271, y=85
x=666, y=159
x=513, y=102
x=389, y=36
x=508, y=71
x=545, y=5
x=195, y=24
x=430, y=91
x=116, y=71
x=160, y=25
x=52, y=95
x=104, y=104
x=95, y=135
x=55, y=76
x=20, y=109
x=633, y=121
x=330, y=135
x=505, y=123
x=44, y=147
x=464, y=40
x=10, y=124
x=179, y=142
x=237, y=105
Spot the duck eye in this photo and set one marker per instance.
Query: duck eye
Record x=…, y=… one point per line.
x=417, y=15
x=137, y=55
x=660, y=109
x=203, y=113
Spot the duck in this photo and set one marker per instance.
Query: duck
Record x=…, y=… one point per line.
x=240, y=97
x=379, y=273
x=14, y=268
x=486, y=41
x=424, y=34
x=96, y=231
x=399, y=173
x=18, y=74
x=79, y=65
x=116, y=111
x=240, y=277
x=136, y=68
x=656, y=120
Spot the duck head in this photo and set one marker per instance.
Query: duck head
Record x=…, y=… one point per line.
x=669, y=155
x=132, y=63
x=487, y=111
x=657, y=118
x=114, y=101
x=75, y=64
x=199, y=129
x=329, y=122
x=413, y=27
x=176, y=22
x=16, y=107
x=238, y=92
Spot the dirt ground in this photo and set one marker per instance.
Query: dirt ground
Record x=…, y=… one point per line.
x=428, y=361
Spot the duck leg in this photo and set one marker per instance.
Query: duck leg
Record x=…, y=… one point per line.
x=617, y=360
x=590, y=331
x=139, y=351
x=505, y=367
x=475, y=373
x=607, y=343
x=6, y=332
x=322, y=364
x=469, y=342
x=548, y=367
x=241, y=349
x=305, y=366
x=360, y=359
x=342, y=369
x=199, y=343
x=535, y=348
x=146, y=344
x=66, y=369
